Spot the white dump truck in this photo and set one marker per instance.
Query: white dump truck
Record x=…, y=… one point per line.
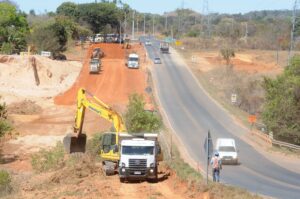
x=139, y=156
x=133, y=61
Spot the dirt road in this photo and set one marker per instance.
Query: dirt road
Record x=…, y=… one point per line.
x=115, y=81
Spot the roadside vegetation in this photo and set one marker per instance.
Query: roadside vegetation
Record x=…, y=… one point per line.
x=139, y=120
x=5, y=124
x=282, y=107
x=5, y=183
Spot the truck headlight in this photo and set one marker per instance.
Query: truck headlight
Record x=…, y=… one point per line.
x=151, y=170
x=123, y=164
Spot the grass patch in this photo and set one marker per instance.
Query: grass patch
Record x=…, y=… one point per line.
x=47, y=160
x=5, y=183
x=183, y=170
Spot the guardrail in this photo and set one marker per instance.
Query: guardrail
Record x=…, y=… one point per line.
x=284, y=144
x=268, y=137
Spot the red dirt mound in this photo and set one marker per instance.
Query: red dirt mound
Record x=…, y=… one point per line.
x=113, y=84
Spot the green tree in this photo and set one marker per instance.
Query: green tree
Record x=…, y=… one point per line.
x=98, y=15
x=139, y=120
x=51, y=36
x=282, y=108
x=69, y=9
x=13, y=28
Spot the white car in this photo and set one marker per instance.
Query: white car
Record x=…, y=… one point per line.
x=227, y=150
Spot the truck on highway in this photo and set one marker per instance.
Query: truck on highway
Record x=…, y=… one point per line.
x=133, y=61
x=139, y=156
x=164, y=47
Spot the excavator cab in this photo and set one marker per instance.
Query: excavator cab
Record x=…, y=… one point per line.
x=109, y=147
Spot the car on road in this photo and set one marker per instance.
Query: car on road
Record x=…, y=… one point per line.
x=157, y=60
x=227, y=150
x=148, y=43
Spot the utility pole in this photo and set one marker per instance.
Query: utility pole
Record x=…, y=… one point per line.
x=132, y=26
x=166, y=22
x=125, y=24
x=137, y=24
x=292, y=31
x=144, y=24
x=153, y=25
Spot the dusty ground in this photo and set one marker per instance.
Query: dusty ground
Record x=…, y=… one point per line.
x=40, y=123
x=250, y=61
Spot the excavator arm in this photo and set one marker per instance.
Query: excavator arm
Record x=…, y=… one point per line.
x=76, y=141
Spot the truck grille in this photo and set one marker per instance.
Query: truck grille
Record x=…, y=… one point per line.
x=137, y=165
x=227, y=158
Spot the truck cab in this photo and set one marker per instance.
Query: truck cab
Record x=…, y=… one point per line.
x=133, y=61
x=138, y=159
x=164, y=47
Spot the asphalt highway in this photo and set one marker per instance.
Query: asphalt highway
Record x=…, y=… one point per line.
x=192, y=113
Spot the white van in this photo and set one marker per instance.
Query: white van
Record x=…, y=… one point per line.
x=227, y=150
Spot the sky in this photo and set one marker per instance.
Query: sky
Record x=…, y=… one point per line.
x=161, y=6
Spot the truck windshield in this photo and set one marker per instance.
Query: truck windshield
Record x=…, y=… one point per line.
x=227, y=148
x=138, y=150
x=133, y=59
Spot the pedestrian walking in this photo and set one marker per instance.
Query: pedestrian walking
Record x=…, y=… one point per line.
x=216, y=163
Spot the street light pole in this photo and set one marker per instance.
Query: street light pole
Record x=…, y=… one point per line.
x=132, y=25
x=144, y=24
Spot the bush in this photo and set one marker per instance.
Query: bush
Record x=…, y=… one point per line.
x=282, y=108
x=46, y=160
x=5, y=125
x=5, y=183
x=137, y=119
x=227, y=54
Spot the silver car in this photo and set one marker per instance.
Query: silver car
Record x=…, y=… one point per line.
x=157, y=60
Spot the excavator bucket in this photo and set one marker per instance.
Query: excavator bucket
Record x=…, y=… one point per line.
x=75, y=143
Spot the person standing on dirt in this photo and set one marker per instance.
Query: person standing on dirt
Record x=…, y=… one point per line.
x=216, y=163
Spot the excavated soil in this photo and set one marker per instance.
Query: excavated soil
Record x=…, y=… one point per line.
x=18, y=82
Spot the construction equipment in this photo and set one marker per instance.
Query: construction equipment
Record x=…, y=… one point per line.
x=126, y=43
x=76, y=141
x=110, y=142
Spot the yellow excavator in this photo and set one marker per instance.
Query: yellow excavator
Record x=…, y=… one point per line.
x=76, y=142
x=110, y=142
